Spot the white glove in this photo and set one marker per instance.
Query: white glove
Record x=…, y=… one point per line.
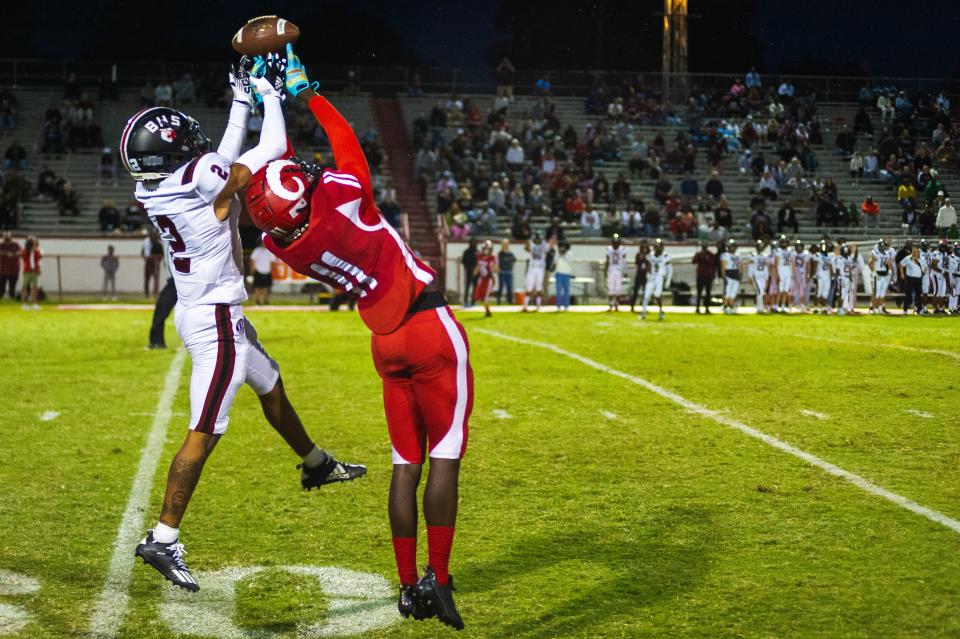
x=267, y=76
x=239, y=80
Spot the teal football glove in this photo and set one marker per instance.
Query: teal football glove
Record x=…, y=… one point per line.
x=297, y=80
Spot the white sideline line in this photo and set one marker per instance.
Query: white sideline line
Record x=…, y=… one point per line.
x=899, y=347
x=112, y=604
x=703, y=411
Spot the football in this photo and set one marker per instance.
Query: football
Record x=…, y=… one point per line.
x=265, y=34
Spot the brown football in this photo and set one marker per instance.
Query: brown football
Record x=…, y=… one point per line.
x=265, y=34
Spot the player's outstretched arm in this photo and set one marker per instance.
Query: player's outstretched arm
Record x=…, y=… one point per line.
x=232, y=141
x=346, y=148
x=273, y=137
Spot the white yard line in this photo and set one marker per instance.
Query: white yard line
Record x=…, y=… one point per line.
x=608, y=414
x=899, y=347
x=812, y=413
x=918, y=413
x=499, y=413
x=112, y=603
x=703, y=411
x=49, y=415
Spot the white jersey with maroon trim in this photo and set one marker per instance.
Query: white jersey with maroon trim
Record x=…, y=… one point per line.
x=759, y=265
x=823, y=263
x=205, y=253
x=882, y=260
x=800, y=261
x=616, y=258
x=659, y=265
x=538, y=255
x=786, y=258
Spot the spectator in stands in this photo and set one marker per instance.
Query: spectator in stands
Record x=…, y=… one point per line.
x=846, y=141
x=825, y=213
x=723, y=215
x=621, y=189
x=768, y=187
x=601, y=190
x=787, y=218
x=856, y=167
x=135, y=216
x=152, y=254
x=390, y=209
x=871, y=165
x=752, y=79
x=505, y=261
x=520, y=228
x=718, y=235
x=9, y=265
x=185, y=89
x=53, y=136
x=786, y=90
x=163, y=94
x=542, y=87
x=67, y=200
x=871, y=212
x=458, y=222
x=15, y=157
x=714, y=187
x=652, y=223
x=71, y=89
x=662, y=189
x=108, y=217
x=885, y=107
x=689, y=188
x=110, y=264
x=505, y=77
x=830, y=190
x=8, y=109
x=107, y=165
x=862, y=122
x=759, y=224
x=946, y=219
x=590, y=223
x=934, y=187
x=515, y=155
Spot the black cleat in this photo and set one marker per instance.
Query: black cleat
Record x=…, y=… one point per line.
x=437, y=600
x=329, y=472
x=167, y=559
x=409, y=606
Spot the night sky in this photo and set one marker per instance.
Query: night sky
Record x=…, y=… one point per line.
x=813, y=36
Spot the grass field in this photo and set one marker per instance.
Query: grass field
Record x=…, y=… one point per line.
x=590, y=506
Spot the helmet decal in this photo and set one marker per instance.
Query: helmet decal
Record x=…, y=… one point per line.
x=276, y=184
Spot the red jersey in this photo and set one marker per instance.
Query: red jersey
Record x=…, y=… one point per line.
x=347, y=243
x=31, y=260
x=485, y=265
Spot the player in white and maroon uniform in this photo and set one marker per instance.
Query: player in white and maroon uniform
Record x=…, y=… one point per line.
x=938, y=276
x=615, y=264
x=326, y=225
x=801, y=276
x=758, y=266
x=844, y=265
x=484, y=273
x=784, y=259
x=925, y=254
x=730, y=264
x=536, y=270
x=189, y=194
x=953, y=272
x=823, y=270
x=882, y=264
x=661, y=273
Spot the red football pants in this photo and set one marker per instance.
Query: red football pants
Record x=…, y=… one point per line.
x=427, y=386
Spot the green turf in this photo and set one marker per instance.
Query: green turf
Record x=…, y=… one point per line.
x=597, y=509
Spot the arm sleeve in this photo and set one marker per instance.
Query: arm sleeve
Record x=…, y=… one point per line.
x=273, y=137
x=232, y=141
x=346, y=148
x=210, y=176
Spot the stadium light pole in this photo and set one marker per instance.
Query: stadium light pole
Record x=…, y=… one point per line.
x=674, y=49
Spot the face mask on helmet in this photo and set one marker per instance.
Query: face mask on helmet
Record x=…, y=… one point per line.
x=278, y=199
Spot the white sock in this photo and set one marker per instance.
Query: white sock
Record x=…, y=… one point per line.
x=164, y=534
x=315, y=457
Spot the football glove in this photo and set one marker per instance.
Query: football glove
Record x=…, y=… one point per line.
x=267, y=76
x=297, y=80
x=239, y=79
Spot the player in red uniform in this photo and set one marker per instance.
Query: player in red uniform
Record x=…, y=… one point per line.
x=484, y=271
x=326, y=225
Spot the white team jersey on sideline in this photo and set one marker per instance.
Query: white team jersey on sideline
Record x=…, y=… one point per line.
x=616, y=258
x=205, y=252
x=953, y=265
x=823, y=262
x=786, y=257
x=538, y=255
x=801, y=260
x=658, y=264
x=881, y=260
x=730, y=262
x=759, y=265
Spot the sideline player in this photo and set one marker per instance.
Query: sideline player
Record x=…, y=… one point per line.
x=325, y=224
x=925, y=254
x=882, y=266
x=785, y=259
x=188, y=192
x=483, y=276
x=616, y=262
x=640, y=273
x=801, y=276
x=758, y=268
x=938, y=277
x=730, y=264
x=823, y=267
x=953, y=273
x=661, y=273
x=536, y=269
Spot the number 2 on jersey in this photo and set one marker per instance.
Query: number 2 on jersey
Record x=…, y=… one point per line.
x=177, y=245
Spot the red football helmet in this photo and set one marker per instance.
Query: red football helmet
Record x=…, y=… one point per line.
x=278, y=198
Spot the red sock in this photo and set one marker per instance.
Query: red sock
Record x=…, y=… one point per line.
x=439, y=543
x=405, y=550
